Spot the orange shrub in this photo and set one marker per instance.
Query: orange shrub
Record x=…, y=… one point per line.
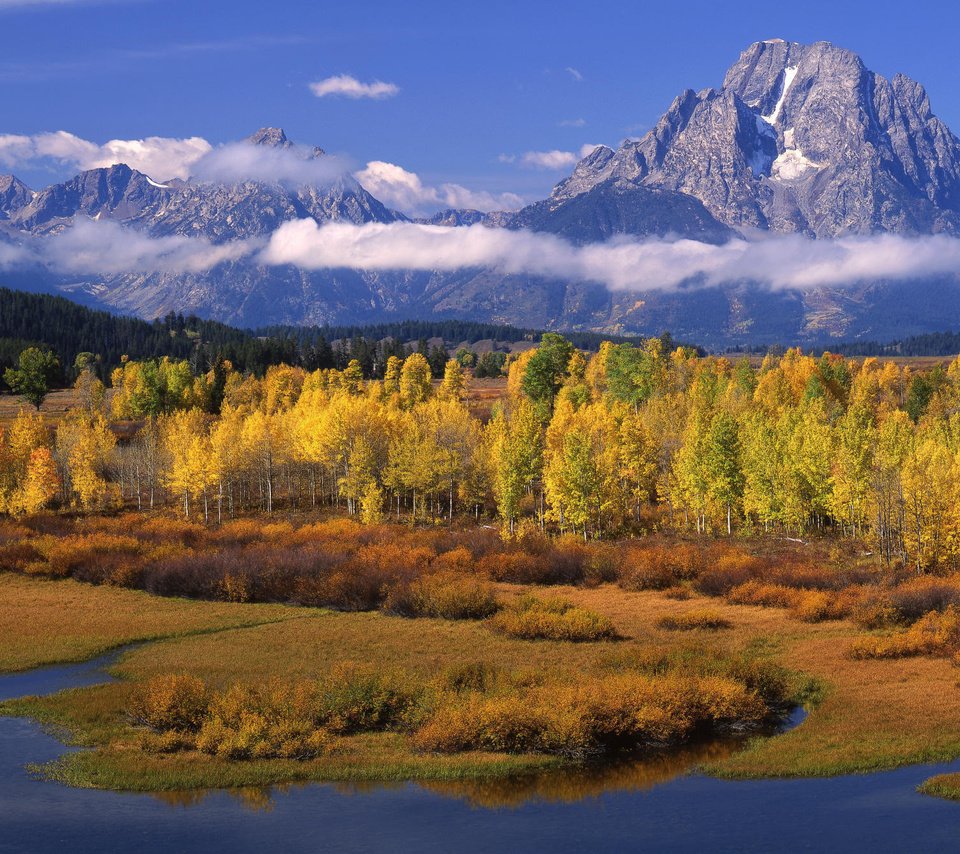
x=600, y=714
x=933, y=634
x=700, y=619
x=764, y=593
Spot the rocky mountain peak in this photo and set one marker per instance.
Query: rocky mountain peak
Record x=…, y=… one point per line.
x=270, y=137
x=276, y=138
x=799, y=138
x=14, y=195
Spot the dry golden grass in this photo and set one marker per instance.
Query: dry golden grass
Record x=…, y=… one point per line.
x=42, y=622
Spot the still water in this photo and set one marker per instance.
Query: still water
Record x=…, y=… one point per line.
x=659, y=805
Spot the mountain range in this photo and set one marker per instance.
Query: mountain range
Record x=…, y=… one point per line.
x=798, y=140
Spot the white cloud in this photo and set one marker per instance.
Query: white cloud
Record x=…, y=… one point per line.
x=237, y=162
x=158, y=157
x=572, y=123
x=163, y=158
x=574, y=73
x=105, y=247
x=622, y=263
x=349, y=87
x=404, y=190
x=548, y=159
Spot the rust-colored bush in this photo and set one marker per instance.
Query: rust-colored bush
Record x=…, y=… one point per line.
x=660, y=566
x=448, y=594
x=603, y=714
x=730, y=570
x=764, y=593
x=906, y=603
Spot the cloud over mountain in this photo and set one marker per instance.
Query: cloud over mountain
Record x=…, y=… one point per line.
x=160, y=157
x=404, y=190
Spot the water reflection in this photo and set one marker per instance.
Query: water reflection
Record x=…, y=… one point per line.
x=562, y=785
x=569, y=785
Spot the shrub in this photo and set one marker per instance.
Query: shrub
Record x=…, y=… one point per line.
x=659, y=567
x=450, y=595
x=360, y=699
x=730, y=570
x=535, y=619
x=933, y=634
x=763, y=593
x=175, y=702
x=907, y=602
x=272, y=721
x=815, y=606
x=678, y=592
x=473, y=676
x=600, y=715
x=701, y=619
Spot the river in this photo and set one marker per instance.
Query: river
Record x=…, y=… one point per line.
x=659, y=805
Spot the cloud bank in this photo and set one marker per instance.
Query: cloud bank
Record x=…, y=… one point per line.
x=345, y=86
x=237, y=162
x=405, y=191
x=104, y=248
x=622, y=264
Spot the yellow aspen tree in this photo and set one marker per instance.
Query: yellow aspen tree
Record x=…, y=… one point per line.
x=27, y=433
x=187, y=450
x=929, y=493
x=639, y=460
x=391, y=376
x=454, y=385
x=40, y=486
x=415, y=380
x=86, y=444
x=855, y=440
x=516, y=451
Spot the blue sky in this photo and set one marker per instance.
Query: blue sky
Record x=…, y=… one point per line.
x=475, y=81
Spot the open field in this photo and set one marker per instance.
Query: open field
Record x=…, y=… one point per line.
x=864, y=714
x=47, y=622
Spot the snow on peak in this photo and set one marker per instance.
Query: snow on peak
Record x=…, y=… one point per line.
x=153, y=183
x=793, y=163
x=789, y=73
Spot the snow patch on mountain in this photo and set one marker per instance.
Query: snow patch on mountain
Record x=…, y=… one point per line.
x=788, y=75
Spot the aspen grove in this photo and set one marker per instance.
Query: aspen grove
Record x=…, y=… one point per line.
x=611, y=443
